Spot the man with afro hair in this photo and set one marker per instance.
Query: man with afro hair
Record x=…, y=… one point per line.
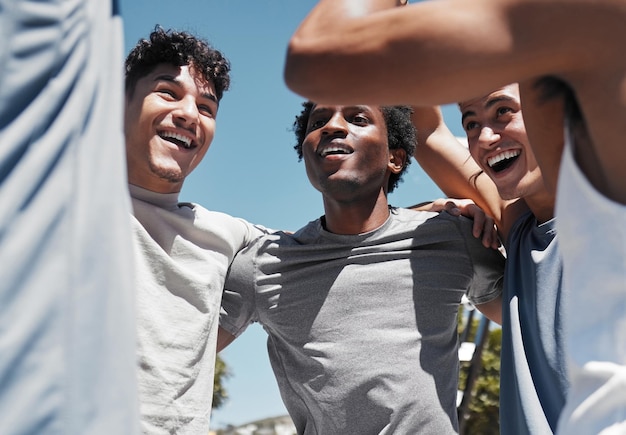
x=360, y=305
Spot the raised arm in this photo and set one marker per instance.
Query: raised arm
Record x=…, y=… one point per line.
x=411, y=53
x=443, y=51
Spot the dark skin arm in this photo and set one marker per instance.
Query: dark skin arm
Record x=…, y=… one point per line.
x=224, y=338
x=498, y=42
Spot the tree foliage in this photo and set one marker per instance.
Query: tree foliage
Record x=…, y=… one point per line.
x=484, y=407
x=221, y=374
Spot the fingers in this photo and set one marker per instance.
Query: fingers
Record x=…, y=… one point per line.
x=483, y=227
x=490, y=233
x=479, y=217
x=447, y=205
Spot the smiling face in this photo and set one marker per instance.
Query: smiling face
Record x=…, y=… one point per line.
x=169, y=125
x=498, y=142
x=346, y=152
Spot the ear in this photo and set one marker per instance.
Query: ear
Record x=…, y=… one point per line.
x=397, y=160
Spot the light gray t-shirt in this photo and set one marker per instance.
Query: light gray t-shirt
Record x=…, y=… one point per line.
x=592, y=232
x=67, y=330
x=183, y=252
x=363, y=328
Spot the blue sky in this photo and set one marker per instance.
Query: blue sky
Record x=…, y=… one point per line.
x=251, y=170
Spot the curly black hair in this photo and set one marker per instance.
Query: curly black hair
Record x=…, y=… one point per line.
x=178, y=49
x=401, y=133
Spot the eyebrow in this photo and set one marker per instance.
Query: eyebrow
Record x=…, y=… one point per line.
x=172, y=79
x=359, y=108
x=488, y=105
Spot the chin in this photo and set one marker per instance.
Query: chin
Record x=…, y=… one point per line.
x=172, y=176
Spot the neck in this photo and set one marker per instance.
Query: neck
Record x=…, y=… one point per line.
x=541, y=205
x=154, y=184
x=355, y=217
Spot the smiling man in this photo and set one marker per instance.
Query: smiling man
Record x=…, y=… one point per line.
x=571, y=81
x=174, y=82
x=360, y=305
x=504, y=177
x=170, y=123
x=533, y=379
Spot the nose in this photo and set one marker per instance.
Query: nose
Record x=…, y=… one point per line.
x=488, y=136
x=186, y=112
x=337, y=124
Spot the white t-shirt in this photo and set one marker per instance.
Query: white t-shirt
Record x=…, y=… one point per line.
x=183, y=252
x=67, y=331
x=592, y=233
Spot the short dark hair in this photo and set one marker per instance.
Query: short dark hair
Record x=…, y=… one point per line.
x=551, y=87
x=178, y=49
x=400, y=134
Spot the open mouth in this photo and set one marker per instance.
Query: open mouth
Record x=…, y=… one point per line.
x=178, y=139
x=334, y=150
x=503, y=160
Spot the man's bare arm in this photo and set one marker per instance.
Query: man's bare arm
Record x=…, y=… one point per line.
x=224, y=338
x=443, y=51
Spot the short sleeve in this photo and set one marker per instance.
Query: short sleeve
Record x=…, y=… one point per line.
x=238, y=302
x=488, y=265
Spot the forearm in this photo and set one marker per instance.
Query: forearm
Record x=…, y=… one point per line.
x=449, y=163
x=327, y=13
x=492, y=310
x=337, y=39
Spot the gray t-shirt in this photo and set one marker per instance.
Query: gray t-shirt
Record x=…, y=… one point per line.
x=363, y=328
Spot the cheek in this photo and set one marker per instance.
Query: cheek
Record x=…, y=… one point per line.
x=531, y=162
x=311, y=173
x=208, y=128
x=475, y=155
x=473, y=150
x=131, y=112
x=308, y=146
x=140, y=116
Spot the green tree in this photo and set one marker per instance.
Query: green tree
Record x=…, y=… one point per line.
x=482, y=415
x=219, y=392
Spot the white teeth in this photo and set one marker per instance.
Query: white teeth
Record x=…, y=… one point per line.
x=334, y=150
x=502, y=156
x=185, y=140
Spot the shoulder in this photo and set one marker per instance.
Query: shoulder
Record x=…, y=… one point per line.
x=430, y=222
x=409, y=216
x=203, y=215
x=444, y=218
x=272, y=240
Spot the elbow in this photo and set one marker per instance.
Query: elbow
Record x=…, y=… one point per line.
x=298, y=70
x=313, y=69
x=319, y=71
x=291, y=73
x=492, y=310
